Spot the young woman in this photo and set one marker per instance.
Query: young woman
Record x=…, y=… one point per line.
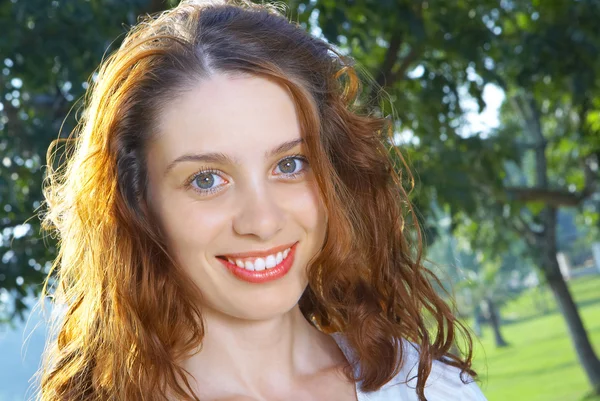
x=232, y=228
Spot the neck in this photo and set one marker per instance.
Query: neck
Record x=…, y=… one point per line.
x=249, y=356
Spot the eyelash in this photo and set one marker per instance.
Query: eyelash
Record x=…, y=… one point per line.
x=190, y=180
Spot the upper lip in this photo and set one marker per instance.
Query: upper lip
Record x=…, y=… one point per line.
x=259, y=254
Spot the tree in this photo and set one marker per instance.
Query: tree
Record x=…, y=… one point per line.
x=49, y=53
x=423, y=58
x=553, y=99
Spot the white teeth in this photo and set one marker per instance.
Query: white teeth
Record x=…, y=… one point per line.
x=259, y=264
x=270, y=262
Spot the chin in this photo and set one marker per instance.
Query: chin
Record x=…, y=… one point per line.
x=270, y=313
x=266, y=306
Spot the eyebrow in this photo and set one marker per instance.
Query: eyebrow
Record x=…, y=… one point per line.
x=222, y=158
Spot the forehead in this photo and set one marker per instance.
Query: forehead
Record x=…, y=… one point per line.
x=230, y=114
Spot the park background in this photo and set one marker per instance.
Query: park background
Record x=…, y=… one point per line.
x=496, y=106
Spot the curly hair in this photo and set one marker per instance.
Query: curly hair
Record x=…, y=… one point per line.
x=117, y=340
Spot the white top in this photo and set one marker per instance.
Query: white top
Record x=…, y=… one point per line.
x=443, y=384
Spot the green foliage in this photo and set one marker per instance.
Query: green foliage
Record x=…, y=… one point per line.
x=48, y=56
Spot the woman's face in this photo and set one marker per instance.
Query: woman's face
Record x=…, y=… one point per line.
x=232, y=194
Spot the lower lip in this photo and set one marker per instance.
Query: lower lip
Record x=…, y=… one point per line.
x=265, y=275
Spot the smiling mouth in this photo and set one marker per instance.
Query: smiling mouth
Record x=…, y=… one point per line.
x=261, y=269
x=259, y=263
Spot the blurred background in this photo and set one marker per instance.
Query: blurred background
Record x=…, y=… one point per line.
x=496, y=106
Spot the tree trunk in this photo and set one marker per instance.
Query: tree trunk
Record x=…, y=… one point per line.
x=495, y=322
x=564, y=300
x=545, y=242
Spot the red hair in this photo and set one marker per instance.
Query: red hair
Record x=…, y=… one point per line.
x=117, y=340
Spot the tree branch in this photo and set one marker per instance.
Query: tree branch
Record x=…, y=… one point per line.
x=550, y=197
x=383, y=79
x=388, y=75
x=400, y=72
x=558, y=198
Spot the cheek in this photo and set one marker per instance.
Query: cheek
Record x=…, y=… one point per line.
x=189, y=225
x=307, y=207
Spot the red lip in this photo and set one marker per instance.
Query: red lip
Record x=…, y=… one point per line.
x=265, y=275
x=258, y=254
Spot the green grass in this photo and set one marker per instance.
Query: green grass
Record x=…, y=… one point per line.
x=540, y=364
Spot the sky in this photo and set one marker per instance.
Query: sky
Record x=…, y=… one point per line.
x=20, y=351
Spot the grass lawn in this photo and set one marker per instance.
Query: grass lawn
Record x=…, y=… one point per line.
x=540, y=364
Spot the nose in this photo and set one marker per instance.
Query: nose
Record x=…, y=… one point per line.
x=259, y=213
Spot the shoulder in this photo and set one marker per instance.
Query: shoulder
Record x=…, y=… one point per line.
x=444, y=383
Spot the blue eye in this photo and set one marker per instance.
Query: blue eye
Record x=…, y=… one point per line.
x=293, y=165
x=204, y=181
